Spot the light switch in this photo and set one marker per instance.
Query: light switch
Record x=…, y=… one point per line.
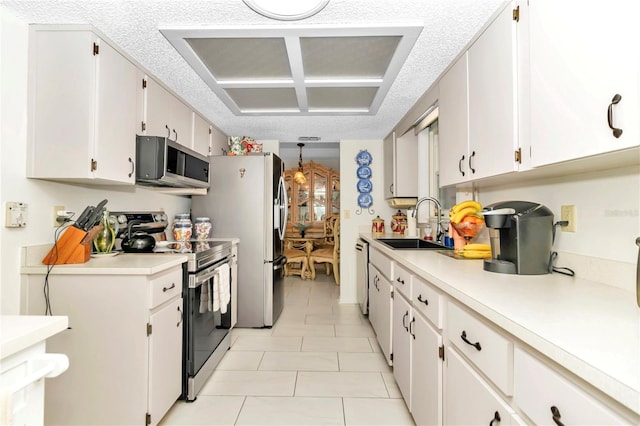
x=15, y=215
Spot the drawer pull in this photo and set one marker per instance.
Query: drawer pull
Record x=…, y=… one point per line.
x=476, y=345
x=496, y=419
x=165, y=289
x=556, y=415
x=425, y=301
x=400, y=281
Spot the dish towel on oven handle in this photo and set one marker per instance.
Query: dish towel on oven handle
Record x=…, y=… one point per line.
x=205, y=297
x=222, y=292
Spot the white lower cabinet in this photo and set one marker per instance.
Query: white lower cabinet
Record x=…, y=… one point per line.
x=380, y=308
x=468, y=399
x=402, y=314
x=546, y=397
x=426, y=372
x=124, y=344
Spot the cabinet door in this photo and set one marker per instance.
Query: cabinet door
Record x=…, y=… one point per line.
x=388, y=176
x=401, y=338
x=180, y=122
x=578, y=65
x=385, y=318
x=493, y=105
x=468, y=399
x=165, y=359
x=426, y=373
x=201, y=135
x=115, y=147
x=62, y=90
x=453, y=124
x=157, y=101
x=374, y=297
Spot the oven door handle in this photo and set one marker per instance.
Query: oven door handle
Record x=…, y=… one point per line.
x=201, y=279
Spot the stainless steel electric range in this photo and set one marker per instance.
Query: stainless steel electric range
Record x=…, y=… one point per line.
x=206, y=329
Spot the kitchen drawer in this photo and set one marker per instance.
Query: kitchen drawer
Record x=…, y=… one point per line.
x=537, y=388
x=382, y=262
x=469, y=400
x=402, y=281
x=427, y=301
x=165, y=286
x=491, y=352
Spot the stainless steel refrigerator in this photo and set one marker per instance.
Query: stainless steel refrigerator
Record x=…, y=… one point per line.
x=247, y=199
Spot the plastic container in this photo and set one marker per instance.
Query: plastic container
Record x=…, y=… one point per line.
x=428, y=233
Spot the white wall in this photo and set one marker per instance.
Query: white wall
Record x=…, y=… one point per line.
x=41, y=196
x=607, y=206
x=353, y=223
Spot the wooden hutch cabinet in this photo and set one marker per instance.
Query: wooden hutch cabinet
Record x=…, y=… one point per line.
x=311, y=202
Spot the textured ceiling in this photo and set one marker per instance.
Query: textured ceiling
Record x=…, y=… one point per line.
x=134, y=27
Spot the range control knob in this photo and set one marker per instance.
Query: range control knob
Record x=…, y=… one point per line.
x=122, y=219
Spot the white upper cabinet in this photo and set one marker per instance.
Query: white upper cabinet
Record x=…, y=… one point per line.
x=453, y=124
x=479, y=106
x=165, y=115
x=400, y=166
x=201, y=135
x=82, y=107
x=493, y=96
x=582, y=55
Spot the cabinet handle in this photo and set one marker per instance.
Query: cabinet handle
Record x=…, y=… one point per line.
x=413, y=320
x=460, y=165
x=406, y=314
x=391, y=189
x=476, y=345
x=133, y=167
x=556, y=415
x=496, y=419
x=165, y=289
x=425, y=301
x=400, y=281
x=473, y=154
x=175, y=133
x=616, y=132
x=181, y=317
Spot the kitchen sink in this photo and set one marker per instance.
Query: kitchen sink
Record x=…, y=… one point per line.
x=412, y=244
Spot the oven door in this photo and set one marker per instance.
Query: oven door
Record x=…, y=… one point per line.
x=205, y=328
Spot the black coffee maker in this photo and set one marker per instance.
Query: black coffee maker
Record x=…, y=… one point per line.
x=521, y=236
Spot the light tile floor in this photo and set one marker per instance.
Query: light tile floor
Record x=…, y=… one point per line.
x=320, y=364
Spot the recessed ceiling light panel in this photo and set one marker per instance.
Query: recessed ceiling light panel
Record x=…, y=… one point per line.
x=287, y=10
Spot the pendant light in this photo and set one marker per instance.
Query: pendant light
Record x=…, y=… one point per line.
x=299, y=176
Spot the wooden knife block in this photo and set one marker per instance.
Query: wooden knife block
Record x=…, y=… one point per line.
x=72, y=247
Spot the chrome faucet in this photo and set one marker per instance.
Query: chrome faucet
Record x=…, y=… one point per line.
x=440, y=232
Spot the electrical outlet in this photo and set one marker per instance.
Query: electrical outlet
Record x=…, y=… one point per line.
x=347, y=214
x=568, y=213
x=56, y=209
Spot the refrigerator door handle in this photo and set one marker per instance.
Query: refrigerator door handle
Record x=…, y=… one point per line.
x=281, y=204
x=279, y=263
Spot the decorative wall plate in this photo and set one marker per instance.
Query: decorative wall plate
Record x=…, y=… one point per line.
x=365, y=201
x=363, y=158
x=364, y=186
x=364, y=172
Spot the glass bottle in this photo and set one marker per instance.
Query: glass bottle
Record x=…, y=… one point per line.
x=105, y=239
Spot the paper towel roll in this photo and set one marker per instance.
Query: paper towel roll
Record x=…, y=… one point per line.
x=412, y=231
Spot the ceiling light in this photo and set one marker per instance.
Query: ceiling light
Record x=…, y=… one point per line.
x=309, y=138
x=299, y=176
x=287, y=10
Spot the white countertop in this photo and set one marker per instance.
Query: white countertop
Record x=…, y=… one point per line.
x=19, y=332
x=591, y=329
x=121, y=264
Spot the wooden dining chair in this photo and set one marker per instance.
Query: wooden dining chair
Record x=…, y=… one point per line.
x=297, y=260
x=328, y=253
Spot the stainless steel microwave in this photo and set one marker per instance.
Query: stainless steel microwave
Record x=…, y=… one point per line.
x=163, y=162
